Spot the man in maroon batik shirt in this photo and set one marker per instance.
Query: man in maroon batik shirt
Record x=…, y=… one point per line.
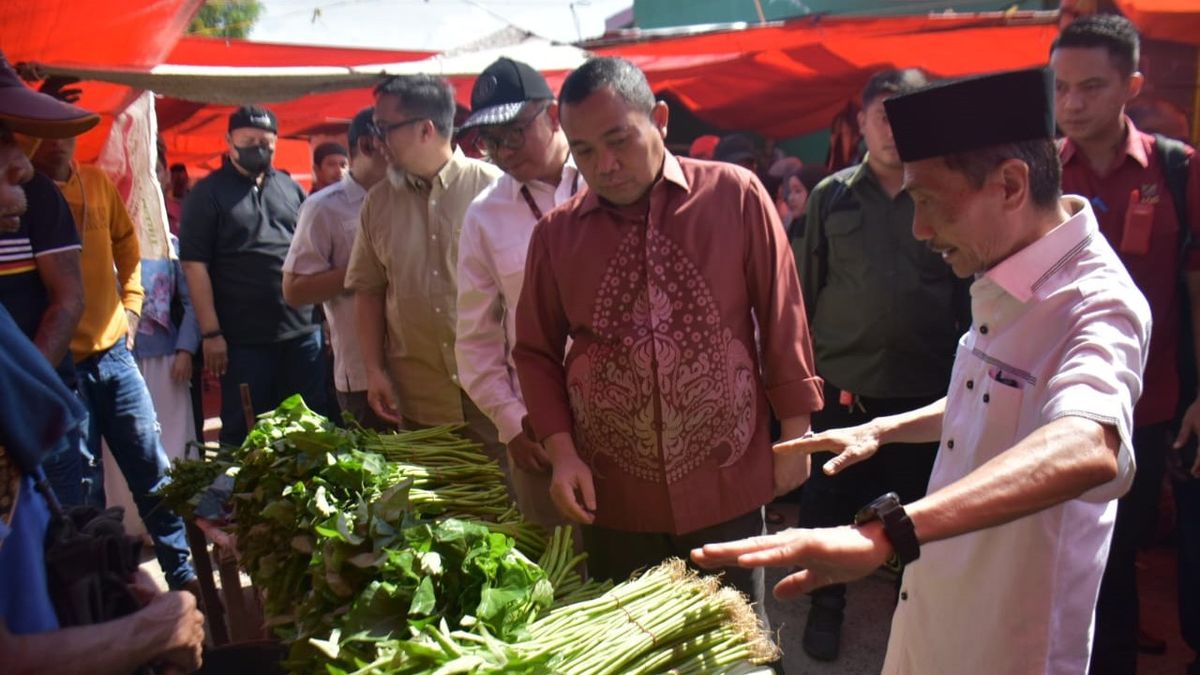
x=675, y=283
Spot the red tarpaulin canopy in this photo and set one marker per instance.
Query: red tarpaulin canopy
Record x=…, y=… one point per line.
x=788, y=79
x=1172, y=20
x=195, y=132
x=86, y=33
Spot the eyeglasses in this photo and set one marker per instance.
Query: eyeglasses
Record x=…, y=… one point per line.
x=511, y=136
x=381, y=129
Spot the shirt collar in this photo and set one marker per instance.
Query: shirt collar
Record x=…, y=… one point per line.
x=352, y=188
x=672, y=172
x=1022, y=273
x=444, y=177
x=569, y=173
x=1134, y=147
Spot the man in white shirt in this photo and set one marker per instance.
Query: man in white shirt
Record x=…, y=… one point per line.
x=516, y=125
x=315, y=268
x=1006, y=552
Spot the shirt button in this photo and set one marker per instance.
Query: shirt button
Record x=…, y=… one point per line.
x=903, y=595
x=983, y=329
x=437, y=310
x=435, y=273
x=970, y=384
x=986, y=398
x=950, y=444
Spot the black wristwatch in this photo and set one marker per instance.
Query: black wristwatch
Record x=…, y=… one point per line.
x=896, y=525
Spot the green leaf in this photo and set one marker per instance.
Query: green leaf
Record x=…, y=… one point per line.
x=424, y=601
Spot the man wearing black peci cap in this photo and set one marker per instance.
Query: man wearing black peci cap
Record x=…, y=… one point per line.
x=516, y=118
x=234, y=235
x=1005, y=554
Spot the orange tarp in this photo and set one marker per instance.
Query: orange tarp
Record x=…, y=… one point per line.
x=789, y=79
x=1172, y=20
x=126, y=33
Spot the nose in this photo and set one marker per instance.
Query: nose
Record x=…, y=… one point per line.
x=920, y=228
x=607, y=162
x=1071, y=100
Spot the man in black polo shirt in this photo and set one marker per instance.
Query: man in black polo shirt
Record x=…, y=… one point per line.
x=234, y=235
x=886, y=314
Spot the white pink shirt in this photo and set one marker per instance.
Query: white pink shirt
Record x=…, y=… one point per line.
x=1059, y=330
x=491, y=268
x=323, y=240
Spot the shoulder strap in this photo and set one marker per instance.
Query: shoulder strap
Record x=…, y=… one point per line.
x=1174, y=158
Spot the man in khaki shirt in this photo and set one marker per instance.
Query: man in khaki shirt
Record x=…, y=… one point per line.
x=403, y=265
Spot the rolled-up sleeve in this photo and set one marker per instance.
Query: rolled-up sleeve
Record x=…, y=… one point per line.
x=1099, y=377
x=789, y=375
x=542, y=331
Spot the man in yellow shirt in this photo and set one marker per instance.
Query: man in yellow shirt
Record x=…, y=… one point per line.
x=119, y=405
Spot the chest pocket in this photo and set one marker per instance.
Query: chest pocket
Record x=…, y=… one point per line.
x=1001, y=406
x=844, y=235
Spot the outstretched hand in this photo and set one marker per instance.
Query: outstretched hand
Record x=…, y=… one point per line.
x=828, y=555
x=851, y=445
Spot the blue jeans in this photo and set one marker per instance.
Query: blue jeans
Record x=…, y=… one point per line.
x=121, y=412
x=65, y=466
x=274, y=372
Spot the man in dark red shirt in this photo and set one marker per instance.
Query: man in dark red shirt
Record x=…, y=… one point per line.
x=660, y=271
x=1119, y=169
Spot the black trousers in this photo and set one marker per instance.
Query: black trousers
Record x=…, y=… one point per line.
x=1114, y=645
x=829, y=501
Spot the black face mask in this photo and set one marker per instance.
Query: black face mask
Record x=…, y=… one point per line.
x=254, y=158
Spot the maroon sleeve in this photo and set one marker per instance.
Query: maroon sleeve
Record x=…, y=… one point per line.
x=789, y=372
x=1193, y=212
x=542, y=331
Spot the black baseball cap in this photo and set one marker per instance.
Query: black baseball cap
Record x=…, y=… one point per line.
x=502, y=89
x=254, y=117
x=973, y=113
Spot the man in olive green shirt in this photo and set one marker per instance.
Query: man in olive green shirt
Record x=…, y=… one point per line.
x=886, y=314
x=404, y=263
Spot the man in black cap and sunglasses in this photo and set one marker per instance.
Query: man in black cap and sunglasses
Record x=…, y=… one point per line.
x=1005, y=554
x=234, y=236
x=516, y=125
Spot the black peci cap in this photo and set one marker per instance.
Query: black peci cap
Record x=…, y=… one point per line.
x=973, y=113
x=254, y=117
x=500, y=91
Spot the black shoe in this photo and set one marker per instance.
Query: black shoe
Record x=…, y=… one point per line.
x=823, y=633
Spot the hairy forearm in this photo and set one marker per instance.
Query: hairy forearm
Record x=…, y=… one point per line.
x=369, y=307
x=114, y=647
x=313, y=289
x=200, y=286
x=53, y=336
x=1058, y=462
x=923, y=425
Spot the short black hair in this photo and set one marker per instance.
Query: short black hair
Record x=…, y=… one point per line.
x=1041, y=155
x=1111, y=32
x=179, y=167
x=361, y=126
x=889, y=83
x=627, y=81
x=427, y=96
